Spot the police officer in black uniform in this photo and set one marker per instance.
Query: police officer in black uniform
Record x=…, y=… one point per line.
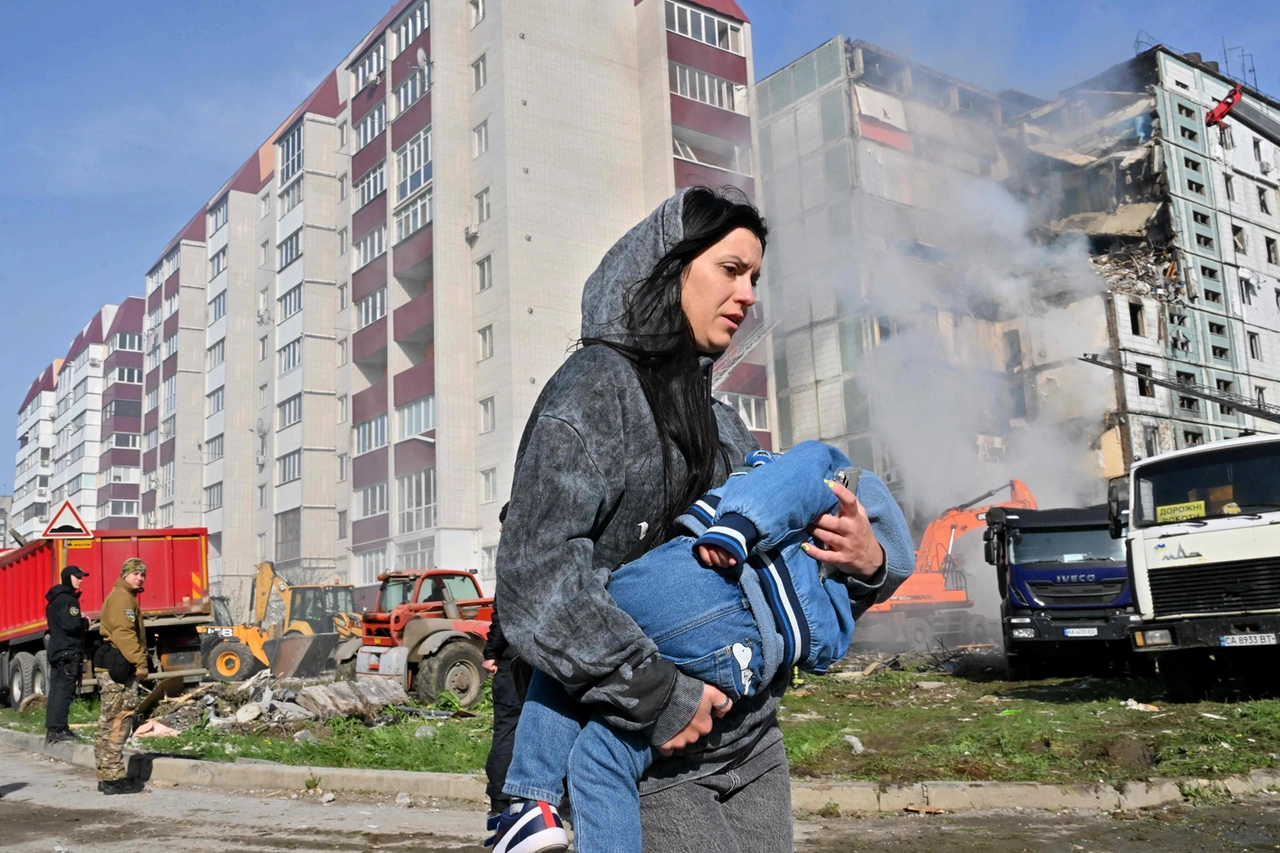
x=67, y=629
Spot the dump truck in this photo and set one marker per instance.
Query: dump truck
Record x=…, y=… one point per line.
x=1064, y=588
x=175, y=601
x=933, y=605
x=314, y=619
x=1204, y=559
x=427, y=633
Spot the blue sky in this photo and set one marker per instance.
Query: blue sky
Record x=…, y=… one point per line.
x=121, y=118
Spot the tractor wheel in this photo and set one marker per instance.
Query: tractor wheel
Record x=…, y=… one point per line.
x=21, y=674
x=919, y=633
x=458, y=668
x=40, y=675
x=230, y=662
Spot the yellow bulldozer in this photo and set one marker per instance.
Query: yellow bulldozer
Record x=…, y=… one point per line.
x=301, y=642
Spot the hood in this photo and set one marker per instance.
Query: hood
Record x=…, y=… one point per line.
x=60, y=589
x=625, y=266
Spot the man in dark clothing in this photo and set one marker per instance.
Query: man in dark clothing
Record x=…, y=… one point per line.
x=67, y=628
x=511, y=674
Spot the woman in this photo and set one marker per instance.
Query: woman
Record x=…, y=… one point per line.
x=623, y=438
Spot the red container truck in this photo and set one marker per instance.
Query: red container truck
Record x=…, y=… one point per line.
x=174, y=601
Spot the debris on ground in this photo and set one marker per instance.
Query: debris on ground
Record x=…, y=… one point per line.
x=1134, y=705
x=351, y=698
x=154, y=728
x=855, y=744
x=924, y=810
x=32, y=703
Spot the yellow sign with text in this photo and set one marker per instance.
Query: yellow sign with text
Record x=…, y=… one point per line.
x=79, y=543
x=1180, y=512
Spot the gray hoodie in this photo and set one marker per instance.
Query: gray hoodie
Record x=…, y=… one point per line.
x=587, y=486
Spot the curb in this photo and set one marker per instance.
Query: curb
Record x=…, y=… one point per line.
x=846, y=797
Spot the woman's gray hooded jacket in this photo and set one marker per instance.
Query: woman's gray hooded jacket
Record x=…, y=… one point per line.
x=588, y=484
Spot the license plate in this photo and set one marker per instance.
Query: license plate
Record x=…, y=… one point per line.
x=1247, y=640
x=1081, y=632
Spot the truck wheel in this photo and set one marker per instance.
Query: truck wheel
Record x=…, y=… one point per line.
x=230, y=662
x=1023, y=667
x=458, y=668
x=40, y=675
x=21, y=671
x=1186, y=676
x=919, y=633
x=978, y=629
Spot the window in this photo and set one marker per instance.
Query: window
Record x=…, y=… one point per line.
x=1193, y=165
x=754, y=411
x=342, y=135
x=1264, y=203
x=1273, y=252
x=489, y=485
x=130, y=375
x=264, y=205
x=218, y=307
x=1136, y=321
x=1212, y=296
x=414, y=216
x=217, y=263
x=1257, y=149
x=342, y=297
x=1195, y=186
x=171, y=395
x=372, y=500
x=342, y=524
x=214, y=399
x=371, y=434
x=290, y=411
x=1204, y=240
x=1231, y=187
x=1217, y=329
x=290, y=249
x=489, y=558
x=413, y=88
x=342, y=408
x=1199, y=217
x=289, y=467
x=1238, y=238
x=371, y=65
x=342, y=187
x=1146, y=388
x=262, y=396
x=371, y=185
x=342, y=241
x=418, y=554
x=213, y=497
x=372, y=564
x=291, y=302
x=171, y=304
x=1186, y=111
x=1255, y=346
x=1191, y=439
x=165, y=487
x=1188, y=134
x=291, y=197
x=410, y=27
x=127, y=341
x=1189, y=404
x=480, y=139
x=289, y=535
x=262, y=545
x=265, y=250
x=488, y=415
x=477, y=11
x=371, y=126
x=483, y=211
x=372, y=308
x=484, y=274
x=416, y=418
x=1260, y=393
x=1226, y=387
x=290, y=149
x=700, y=26
x=342, y=351
x=343, y=462
x=216, y=354
x=413, y=165
x=707, y=88
x=213, y=448
x=128, y=439
x=370, y=247
x=417, y=500
x=479, y=74
x=1221, y=352
x=486, y=342
x=262, y=502
x=289, y=356
x=171, y=345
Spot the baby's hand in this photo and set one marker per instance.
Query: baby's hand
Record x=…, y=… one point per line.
x=713, y=556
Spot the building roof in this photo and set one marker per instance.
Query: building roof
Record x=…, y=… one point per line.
x=193, y=230
x=128, y=317
x=46, y=381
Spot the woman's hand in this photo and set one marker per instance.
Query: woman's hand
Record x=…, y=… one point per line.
x=713, y=702
x=848, y=543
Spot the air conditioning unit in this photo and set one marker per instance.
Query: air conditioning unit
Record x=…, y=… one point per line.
x=93, y=362
x=1264, y=166
x=261, y=459
x=264, y=317
x=471, y=232
x=374, y=80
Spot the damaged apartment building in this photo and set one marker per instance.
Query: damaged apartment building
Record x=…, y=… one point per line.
x=917, y=324
x=1183, y=222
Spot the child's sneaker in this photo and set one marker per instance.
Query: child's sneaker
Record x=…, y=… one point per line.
x=527, y=826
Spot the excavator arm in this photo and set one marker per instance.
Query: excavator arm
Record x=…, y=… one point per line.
x=938, y=542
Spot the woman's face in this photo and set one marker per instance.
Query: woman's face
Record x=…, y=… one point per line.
x=719, y=287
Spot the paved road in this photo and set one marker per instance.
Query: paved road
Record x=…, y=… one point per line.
x=50, y=807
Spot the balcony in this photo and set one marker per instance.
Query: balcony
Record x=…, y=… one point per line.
x=695, y=174
x=411, y=121
x=368, y=530
x=369, y=278
x=706, y=58
x=369, y=217
x=369, y=345
x=369, y=403
x=416, y=382
x=413, y=320
x=710, y=120
x=413, y=256
x=369, y=468
x=367, y=157
x=366, y=99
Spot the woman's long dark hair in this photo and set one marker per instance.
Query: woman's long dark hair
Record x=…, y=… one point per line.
x=661, y=347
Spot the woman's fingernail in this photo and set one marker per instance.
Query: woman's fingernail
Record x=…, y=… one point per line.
x=831, y=484
x=805, y=546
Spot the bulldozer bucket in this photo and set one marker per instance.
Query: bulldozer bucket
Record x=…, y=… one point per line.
x=301, y=656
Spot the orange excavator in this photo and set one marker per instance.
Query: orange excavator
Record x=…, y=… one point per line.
x=934, y=602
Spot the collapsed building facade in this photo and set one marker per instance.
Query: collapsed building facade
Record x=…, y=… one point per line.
x=919, y=327
x=1183, y=221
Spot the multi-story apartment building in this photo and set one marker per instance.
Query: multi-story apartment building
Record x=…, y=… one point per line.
x=1184, y=221
x=6, y=510
x=120, y=459
x=34, y=459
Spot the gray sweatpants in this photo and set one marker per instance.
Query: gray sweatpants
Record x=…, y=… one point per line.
x=743, y=809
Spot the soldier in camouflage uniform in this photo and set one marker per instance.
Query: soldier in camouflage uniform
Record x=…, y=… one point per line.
x=121, y=662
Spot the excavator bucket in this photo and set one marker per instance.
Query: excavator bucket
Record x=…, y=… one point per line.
x=301, y=656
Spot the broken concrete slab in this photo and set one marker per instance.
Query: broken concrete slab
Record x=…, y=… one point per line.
x=351, y=698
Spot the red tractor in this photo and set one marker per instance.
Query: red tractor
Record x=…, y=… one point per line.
x=427, y=632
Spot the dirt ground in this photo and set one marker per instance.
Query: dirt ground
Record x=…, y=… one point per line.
x=50, y=807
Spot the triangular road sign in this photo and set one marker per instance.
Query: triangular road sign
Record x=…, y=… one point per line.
x=66, y=523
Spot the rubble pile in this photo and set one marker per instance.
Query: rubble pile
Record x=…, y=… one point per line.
x=1142, y=272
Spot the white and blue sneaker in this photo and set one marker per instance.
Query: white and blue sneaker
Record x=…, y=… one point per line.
x=527, y=826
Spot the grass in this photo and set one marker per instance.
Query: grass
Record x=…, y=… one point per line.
x=1063, y=730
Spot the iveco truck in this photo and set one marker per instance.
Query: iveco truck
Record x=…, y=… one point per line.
x=1204, y=551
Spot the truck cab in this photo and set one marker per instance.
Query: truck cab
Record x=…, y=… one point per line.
x=1204, y=546
x=1064, y=586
